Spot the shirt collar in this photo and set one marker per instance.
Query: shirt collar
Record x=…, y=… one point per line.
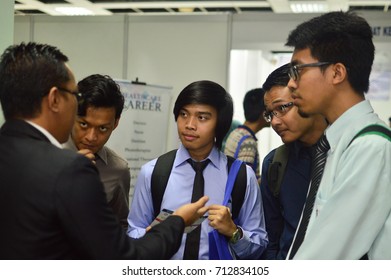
x=102, y=154
x=183, y=155
x=249, y=130
x=47, y=134
x=298, y=149
x=336, y=130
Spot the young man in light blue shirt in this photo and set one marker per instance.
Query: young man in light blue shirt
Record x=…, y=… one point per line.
x=203, y=112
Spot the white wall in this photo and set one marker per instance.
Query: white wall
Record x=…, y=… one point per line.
x=175, y=51
x=92, y=44
x=6, y=31
x=170, y=51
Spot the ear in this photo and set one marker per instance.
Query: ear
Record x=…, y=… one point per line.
x=339, y=73
x=54, y=99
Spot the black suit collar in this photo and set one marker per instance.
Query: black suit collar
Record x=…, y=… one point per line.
x=21, y=128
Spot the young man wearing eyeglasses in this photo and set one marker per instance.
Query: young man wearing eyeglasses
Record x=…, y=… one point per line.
x=98, y=115
x=299, y=133
x=329, y=74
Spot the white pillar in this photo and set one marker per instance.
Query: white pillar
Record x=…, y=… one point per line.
x=6, y=30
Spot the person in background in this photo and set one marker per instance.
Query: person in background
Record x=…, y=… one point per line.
x=203, y=113
x=329, y=75
x=97, y=116
x=234, y=125
x=283, y=204
x=242, y=142
x=52, y=202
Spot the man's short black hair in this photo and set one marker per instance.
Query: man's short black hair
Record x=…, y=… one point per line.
x=27, y=73
x=279, y=77
x=100, y=91
x=339, y=37
x=253, y=104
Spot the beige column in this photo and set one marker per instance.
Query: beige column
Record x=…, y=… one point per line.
x=6, y=30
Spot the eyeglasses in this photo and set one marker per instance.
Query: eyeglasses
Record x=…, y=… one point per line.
x=278, y=112
x=78, y=95
x=294, y=70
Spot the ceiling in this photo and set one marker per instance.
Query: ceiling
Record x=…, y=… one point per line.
x=109, y=7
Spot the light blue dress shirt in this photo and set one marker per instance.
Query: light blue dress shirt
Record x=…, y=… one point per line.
x=178, y=192
x=352, y=211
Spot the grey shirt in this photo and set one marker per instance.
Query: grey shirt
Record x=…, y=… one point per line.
x=114, y=173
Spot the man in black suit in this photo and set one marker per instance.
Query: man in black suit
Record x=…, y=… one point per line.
x=52, y=203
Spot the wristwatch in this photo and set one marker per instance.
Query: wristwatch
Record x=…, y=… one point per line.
x=236, y=236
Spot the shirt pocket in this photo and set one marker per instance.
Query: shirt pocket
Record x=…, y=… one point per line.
x=319, y=203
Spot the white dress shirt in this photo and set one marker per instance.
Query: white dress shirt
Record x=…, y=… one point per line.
x=352, y=211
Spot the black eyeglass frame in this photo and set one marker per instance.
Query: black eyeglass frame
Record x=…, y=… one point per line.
x=268, y=115
x=78, y=95
x=294, y=73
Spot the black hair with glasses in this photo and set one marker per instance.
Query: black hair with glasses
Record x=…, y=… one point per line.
x=100, y=91
x=212, y=94
x=27, y=73
x=339, y=37
x=279, y=77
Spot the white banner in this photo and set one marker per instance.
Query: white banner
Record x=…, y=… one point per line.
x=194, y=270
x=142, y=131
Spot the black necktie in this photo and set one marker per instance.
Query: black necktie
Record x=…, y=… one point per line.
x=193, y=238
x=318, y=163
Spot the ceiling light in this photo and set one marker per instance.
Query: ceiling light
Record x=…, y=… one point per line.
x=186, y=9
x=74, y=11
x=309, y=7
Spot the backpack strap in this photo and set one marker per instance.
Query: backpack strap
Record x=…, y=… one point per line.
x=239, y=188
x=276, y=169
x=377, y=130
x=255, y=164
x=373, y=129
x=240, y=144
x=160, y=174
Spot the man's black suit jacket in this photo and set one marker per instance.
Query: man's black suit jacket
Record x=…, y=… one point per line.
x=53, y=206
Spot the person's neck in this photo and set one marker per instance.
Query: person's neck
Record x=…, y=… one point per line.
x=314, y=132
x=255, y=126
x=344, y=99
x=200, y=154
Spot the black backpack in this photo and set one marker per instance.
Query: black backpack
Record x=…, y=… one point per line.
x=276, y=169
x=162, y=171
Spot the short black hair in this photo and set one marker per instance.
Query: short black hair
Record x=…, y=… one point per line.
x=253, y=104
x=279, y=77
x=100, y=91
x=212, y=94
x=27, y=73
x=339, y=37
